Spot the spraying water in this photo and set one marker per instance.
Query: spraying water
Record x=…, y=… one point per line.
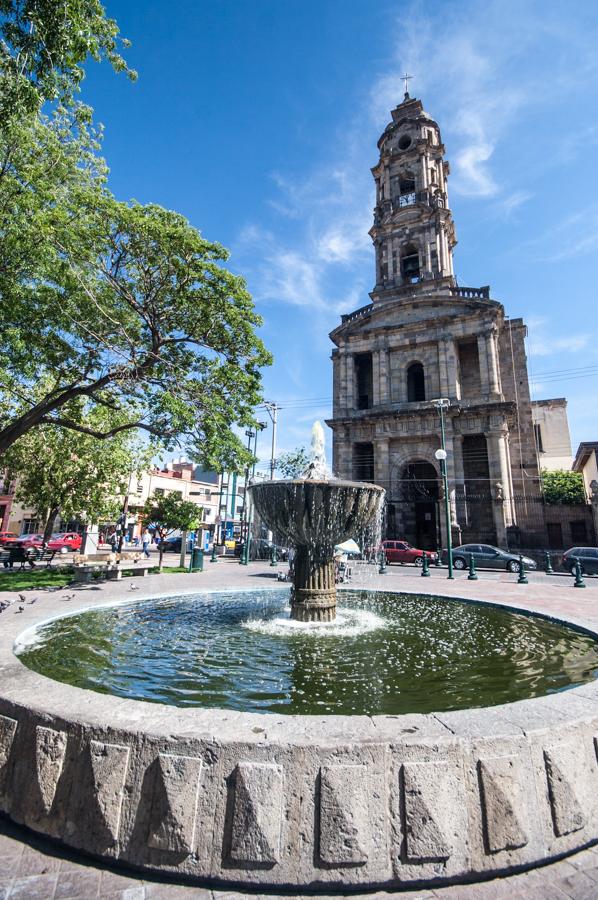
x=315, y=513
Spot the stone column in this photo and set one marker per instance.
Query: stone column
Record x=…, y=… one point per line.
x=451, y=367
x=336, y=381
x=460, y=505
x=493, y=370
x=384, y=370
x=483, y=356
x=347, y=379
x=500, y=484
x=382, y=463
x=443, y=374
x=375, y=377
x=451, y=475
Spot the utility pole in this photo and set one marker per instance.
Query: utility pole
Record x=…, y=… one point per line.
x=272, y=410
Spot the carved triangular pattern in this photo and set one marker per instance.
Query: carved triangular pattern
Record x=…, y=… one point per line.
x=344, y=815
x=425, y=829
x=109, y=763
x=8, y=729
x=505, y=816
x=50, y=750
x=562, y=763
x=174, y=806
x=257, y=815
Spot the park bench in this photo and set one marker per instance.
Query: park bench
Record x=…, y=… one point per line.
x=84, y=572
x=18, y=555
x=45, y=555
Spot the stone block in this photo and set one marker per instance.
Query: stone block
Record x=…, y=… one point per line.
x=50, y=751
x=504, y=808
x=8, y=728
x=427, y=810
x=108, y=765
x=565, y=783
x=257, y=813
x=344, y=815
x=174, y=807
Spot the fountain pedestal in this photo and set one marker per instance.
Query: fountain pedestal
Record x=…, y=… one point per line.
x=314, y=513
x=314, y=588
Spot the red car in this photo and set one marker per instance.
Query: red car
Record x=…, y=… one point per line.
x=65, y=542
x=402, y=552
x=28, y=541
x=7, y=538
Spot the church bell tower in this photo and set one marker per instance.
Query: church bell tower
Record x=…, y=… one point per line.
x=413, y=231
x=424, y=341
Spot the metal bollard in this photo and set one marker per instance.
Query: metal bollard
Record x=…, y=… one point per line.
x=472, y=572
x=579, y=582
x=213, y=557
x=548, y=564
x=273, y=556
x=522, y=576
x=382, y=567
x=425, y=572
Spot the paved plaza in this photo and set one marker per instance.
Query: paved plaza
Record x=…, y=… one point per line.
x=34, y=867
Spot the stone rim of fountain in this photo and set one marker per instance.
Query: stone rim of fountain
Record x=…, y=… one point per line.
x=219, y=796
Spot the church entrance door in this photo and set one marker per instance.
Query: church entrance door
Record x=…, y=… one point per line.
x=416, y=501
x=425, y=526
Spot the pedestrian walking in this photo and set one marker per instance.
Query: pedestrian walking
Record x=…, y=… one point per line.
x=146, y=540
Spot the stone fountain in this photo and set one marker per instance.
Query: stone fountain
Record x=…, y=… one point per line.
x=314, y=513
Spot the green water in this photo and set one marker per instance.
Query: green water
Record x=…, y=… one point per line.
x=388, y=653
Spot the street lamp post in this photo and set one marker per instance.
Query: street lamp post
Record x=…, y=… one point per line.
x=246, y=533
x=442, y=404
x=243, y=557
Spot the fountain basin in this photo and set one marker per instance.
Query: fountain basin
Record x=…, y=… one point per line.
x=304, y=801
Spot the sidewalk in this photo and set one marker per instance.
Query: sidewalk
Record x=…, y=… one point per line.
x=33, y=867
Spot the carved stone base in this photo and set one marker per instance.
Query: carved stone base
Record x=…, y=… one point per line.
x=314, y=589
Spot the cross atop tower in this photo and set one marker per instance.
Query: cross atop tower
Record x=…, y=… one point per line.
x=406, y=78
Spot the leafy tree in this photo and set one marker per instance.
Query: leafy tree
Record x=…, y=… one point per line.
x=293, y=463
x=169, y=512
x=44, y=44
x=77, y=476
x=151, y=323
x=563, y=486
x=122, y=305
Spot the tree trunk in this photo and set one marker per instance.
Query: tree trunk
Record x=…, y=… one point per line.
x=183, y=557
x=160, y=552
x=49, y=527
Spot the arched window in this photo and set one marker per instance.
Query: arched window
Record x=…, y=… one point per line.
x=410, y=264
x=416, y=385
x=406, y=183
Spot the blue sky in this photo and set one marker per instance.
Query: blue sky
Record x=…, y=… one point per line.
x=259, y=120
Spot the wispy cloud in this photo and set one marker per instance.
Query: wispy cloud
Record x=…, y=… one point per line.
x=315, y=253
x=575, y=235
x=548, y=345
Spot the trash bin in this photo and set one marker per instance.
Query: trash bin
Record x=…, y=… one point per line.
x=196, y=560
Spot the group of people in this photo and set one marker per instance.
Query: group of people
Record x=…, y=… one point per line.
x=145, y=540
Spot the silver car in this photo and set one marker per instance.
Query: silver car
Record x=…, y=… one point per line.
x=486, y=556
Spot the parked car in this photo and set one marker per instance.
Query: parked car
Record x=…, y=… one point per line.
x=402, y=552
x=174, y=543
x=65, y=542
x=486, y=556
x=27, y=541
x=260, y=548
x=588, y=560
x=7, y=538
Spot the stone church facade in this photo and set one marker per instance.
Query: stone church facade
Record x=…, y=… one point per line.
x=424, y=337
